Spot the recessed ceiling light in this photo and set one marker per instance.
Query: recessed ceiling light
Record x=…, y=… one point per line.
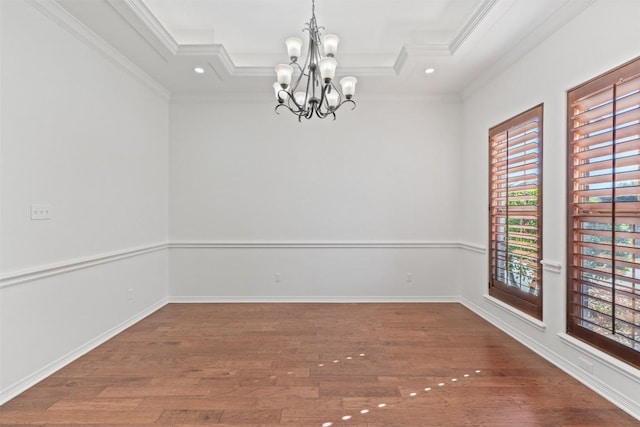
x=199, y=70
x=430, y=70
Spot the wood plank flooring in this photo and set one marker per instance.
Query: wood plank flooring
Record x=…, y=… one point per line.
x=311, y=365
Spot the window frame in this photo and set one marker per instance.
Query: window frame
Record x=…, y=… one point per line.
x=610, y=79
x=524, y=301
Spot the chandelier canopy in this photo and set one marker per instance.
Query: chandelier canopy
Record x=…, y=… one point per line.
x=313, y=91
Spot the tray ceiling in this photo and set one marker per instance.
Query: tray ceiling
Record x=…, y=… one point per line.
x=387, y=44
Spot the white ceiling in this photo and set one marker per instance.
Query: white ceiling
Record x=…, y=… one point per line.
x=387, y=44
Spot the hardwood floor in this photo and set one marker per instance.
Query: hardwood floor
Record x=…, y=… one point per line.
x=311, y=365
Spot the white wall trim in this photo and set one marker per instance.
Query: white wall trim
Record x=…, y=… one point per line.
x=473, y=247
x=551, y=266
x=469, y=27
x=611, y=362
x=311, y=299
x=1, y=184
x=159, y=31
x=565, y=13
x=42, y=272
x=31, y=380
x=73, y=26
x=314, y=245
x=401, y=60
x=604, y=390
x=529, y=320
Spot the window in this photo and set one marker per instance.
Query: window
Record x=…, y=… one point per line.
x=515, y=211
x=603, y=278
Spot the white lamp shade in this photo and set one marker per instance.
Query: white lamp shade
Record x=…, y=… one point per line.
x=284, y=72
x=294, y=47
x=328, y=68
x=348, y=86
x=330, y=44
x=299, y=97
x=280, y=91
x=332, y=98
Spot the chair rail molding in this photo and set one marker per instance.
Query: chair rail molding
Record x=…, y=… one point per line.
x=260, y=244
x=551, y=266
x=23, y=276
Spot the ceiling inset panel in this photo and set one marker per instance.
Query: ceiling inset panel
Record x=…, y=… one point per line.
x=253, y=31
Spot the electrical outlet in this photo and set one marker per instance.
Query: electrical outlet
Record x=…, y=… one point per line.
x=278, y=277
x=409, y=277
x=130, y=294
x=40, y=211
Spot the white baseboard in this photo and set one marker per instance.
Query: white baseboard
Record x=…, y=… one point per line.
x=28, y=382
x=310, y=299
x=604, y=390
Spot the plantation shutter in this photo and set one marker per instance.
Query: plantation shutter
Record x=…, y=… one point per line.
x=603, y=305
x=516, y=211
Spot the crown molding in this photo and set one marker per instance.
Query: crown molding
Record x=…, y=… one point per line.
x=239, y=97
x=400, y=61
x=470, y=26
x=224, y=66
x=563, y=15
x=426, y=50
x=219, y=60
x=59, y=15
x=152, y=23
x=218, y=56
x=203, y=50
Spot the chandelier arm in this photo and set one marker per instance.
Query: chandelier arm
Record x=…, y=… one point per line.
x=291, y=98
x=345, y=101
x=323, y=97
x=298, y=110
x=326, y=114
x=302, y=73
x=290, y=109
x=286, y=93
x=301, y=69
x=285, y=106
x=337, y=91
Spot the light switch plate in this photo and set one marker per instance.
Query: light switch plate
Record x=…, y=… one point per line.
x=40, y=211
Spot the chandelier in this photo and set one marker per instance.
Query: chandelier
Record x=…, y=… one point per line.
x=313, y=91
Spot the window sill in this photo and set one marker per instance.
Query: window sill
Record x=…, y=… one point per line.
x=600, y=356
x=531, y=321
